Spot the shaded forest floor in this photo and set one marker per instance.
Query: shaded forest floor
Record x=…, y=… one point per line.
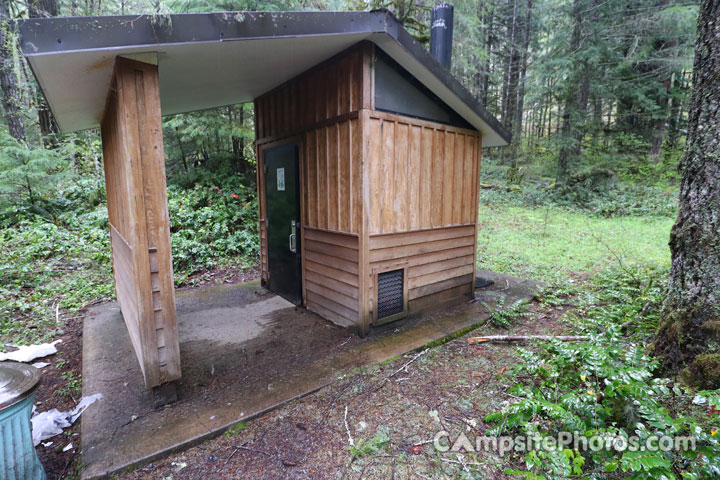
x=394, y=410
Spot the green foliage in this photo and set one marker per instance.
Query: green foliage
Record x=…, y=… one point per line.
x=596, y=190
x=605, y=387
x=209, y=223
x=376, y=444
x=235, y=429
x=58, y=258
x=505, y=317
x=28, y=174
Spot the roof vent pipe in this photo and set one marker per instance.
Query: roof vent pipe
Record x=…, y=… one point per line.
x=441, y=34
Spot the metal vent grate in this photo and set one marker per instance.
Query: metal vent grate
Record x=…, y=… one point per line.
x=390, y=293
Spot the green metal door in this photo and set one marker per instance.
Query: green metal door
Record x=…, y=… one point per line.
x=282, y=204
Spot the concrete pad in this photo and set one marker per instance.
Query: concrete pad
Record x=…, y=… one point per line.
x=244, y=351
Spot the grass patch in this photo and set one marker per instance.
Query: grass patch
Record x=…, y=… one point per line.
x=549, y=243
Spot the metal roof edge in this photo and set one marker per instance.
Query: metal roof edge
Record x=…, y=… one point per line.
x=40, y=36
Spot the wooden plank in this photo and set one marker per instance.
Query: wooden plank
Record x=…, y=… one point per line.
x=332, y=174
x=418, y=248
x=457, y=183
x=332, y=250
x=322, y=178
x=436, y=193
x=311, y=179
x=400, y=192
x=339, y=239
x=330, y=315
x=364, y=314
x=356, y=184
x=440, y=255
x=426, y=179
x=368, y=92
x=344, y=176
x=387, y=180
x=350, y=279
x=328, y=304
x=448, y=162
x=446, y=264
x=419, y=236
x=334, y=262
x=334, y=295
x=414, y=293
x=394, y=117
x=441, y=300
x=374, y=143
x=468, y=181
x=441, y=276
x=333, y=284
x=414, y=176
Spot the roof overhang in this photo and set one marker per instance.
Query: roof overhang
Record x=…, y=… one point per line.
x=209, y=60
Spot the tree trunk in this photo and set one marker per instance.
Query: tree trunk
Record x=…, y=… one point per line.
x=48, y=125
x=689, y=333
x=8, y=79
x=523, y=61
x=485, y=88
x=573, y=112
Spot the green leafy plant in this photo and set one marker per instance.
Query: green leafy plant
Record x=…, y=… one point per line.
x=606, y=388
x=376, y=444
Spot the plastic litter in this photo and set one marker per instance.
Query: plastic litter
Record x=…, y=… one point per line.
x=48, y=424
x=40, y=364
x=28, y=353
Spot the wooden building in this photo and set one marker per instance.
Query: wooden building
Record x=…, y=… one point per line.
x=369, y=156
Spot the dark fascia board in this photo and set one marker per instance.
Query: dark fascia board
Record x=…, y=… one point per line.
x=67, y=34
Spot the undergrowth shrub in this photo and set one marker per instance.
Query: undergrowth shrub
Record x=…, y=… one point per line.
x=605, y=387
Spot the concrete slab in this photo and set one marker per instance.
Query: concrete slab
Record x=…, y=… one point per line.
x=244, y=351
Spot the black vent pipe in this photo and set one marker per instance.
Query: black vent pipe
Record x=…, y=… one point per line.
x=441, y=34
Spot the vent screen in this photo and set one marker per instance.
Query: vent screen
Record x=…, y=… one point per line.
x=390, y=293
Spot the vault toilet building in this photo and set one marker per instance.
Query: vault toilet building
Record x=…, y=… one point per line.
x=368, y=155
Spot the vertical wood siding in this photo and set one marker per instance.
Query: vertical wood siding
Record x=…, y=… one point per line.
x=423, y=180
x=320, y=109
x=332, y=167
x=330, y=90
x=422, y=175
x=138, y=215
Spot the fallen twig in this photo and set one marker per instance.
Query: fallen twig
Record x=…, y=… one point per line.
x=406, y=365
x=243, y=447
x=524, y=338
x=350, y=439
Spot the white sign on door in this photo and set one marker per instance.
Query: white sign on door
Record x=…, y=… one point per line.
x=281, y=179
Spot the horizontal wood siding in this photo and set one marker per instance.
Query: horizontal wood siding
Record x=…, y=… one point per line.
x=331, y=275
x=422, y=175
x=436, y=260
x=330, y=90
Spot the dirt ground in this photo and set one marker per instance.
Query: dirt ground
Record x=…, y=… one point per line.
x=54, y=392
x=62, y=380
x=394, y=410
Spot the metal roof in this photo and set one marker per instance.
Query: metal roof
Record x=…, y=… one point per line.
x=209, y=60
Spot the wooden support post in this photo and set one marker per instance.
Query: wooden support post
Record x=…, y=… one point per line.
x=138, y=214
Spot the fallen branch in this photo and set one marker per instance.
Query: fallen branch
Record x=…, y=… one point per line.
x=525, y=338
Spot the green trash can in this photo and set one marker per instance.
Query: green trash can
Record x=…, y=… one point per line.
x=18, y=460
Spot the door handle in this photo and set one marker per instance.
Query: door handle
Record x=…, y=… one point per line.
x=292, y=238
